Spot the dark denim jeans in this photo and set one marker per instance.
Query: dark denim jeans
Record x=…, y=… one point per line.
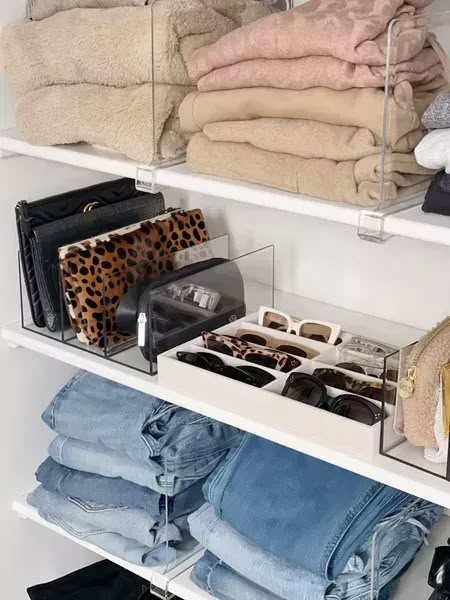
x=312, y=514
x=103, y=580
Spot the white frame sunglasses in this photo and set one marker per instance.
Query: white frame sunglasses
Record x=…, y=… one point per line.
x=295, y=326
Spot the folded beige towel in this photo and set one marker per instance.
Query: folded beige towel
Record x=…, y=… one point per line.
x=355, y=108
x=120, y=119
x=307, y=139
x=320, y=71
x=353, y=30
x=357, y=182
x=41, y=9
x=114, y=46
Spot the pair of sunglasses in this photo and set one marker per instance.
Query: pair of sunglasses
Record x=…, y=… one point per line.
x=341, y=381
x=253, y=337
x=211, y=362
x=320, y=331
x=310, y=390
x=390, y=374
x=234, y=346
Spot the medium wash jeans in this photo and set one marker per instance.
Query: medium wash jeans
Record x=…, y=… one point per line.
x=99, y=411
x=131, y=523
x=307, y=512
x=96, y=458
x=117, y=491
x=235, y=568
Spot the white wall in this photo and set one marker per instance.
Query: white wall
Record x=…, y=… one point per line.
x=28, y=553
x=402, y=280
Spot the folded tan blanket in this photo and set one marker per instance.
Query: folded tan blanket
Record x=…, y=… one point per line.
x=114, y=46
x=41, y=9
x=307, y=139
x=357, y=182
x=119, y=119
x=355, y=108
x=320, y=71
x=354, y=31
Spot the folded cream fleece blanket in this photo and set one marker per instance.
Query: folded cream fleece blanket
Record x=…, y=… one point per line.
x=320, y=71
x=114, y=46
x=303, y=138
x=357, y=182
x=354, y=108
x=352, y=30
x=41, y=9
x=433, y=151
x=120, y=119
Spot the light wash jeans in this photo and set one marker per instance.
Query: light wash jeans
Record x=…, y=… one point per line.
x=235, y=568
x=287, y=492
x=116, y=491
x=252, y=562
x=131, y=523
x=99, y=411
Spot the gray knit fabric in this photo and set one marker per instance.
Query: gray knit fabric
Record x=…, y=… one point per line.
x=437, y=116
x=444, y=183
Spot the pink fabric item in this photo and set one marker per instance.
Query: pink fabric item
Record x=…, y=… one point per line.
x=352, y=30
x=320, y=71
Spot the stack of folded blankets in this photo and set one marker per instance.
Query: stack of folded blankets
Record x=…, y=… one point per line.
x=296, y=100
x=433, y=152
x=112, y=72
x=281, y=525
x=127, y=469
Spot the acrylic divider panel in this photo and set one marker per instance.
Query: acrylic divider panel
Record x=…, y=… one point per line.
x=413, y=438
x=89, y=334
x=415, y=75
x=180, y=370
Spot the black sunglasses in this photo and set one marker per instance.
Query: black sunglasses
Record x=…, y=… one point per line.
x=210, y=362
x=310, y=390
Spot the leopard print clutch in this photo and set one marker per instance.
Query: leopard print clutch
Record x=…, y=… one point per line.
x=97, y=273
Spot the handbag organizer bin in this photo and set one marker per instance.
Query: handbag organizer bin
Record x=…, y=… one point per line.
x=319, y=425
x=240, y=285
x=394, y=442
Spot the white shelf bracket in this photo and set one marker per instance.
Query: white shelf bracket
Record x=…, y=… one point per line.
x=371, y=226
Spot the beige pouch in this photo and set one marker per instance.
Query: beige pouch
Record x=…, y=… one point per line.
x=417, y=390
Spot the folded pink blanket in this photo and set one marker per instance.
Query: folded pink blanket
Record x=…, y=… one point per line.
x=320, y=71
x=354, y=31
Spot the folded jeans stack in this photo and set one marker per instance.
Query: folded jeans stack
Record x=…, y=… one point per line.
x=127, y=469
x=296, y=100
x=280, y=525
x=434, y=152
x=112, y=72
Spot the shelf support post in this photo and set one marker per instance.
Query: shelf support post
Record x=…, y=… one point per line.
x=147, y=175
x=371, y=226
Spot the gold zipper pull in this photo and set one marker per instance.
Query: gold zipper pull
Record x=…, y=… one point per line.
x=407, y=384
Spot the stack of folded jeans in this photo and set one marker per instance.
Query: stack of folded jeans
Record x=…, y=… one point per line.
x=127, y=468
x=281, y=525
x=296, y=100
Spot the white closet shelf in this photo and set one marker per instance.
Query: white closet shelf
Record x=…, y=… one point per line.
x=271, y=424
x=410, y=223
x=177, y=581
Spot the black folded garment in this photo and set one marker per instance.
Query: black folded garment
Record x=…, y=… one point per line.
x=101, y=581
x=437, y=199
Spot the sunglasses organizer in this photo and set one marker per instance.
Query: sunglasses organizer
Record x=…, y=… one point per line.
x=317, y=424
